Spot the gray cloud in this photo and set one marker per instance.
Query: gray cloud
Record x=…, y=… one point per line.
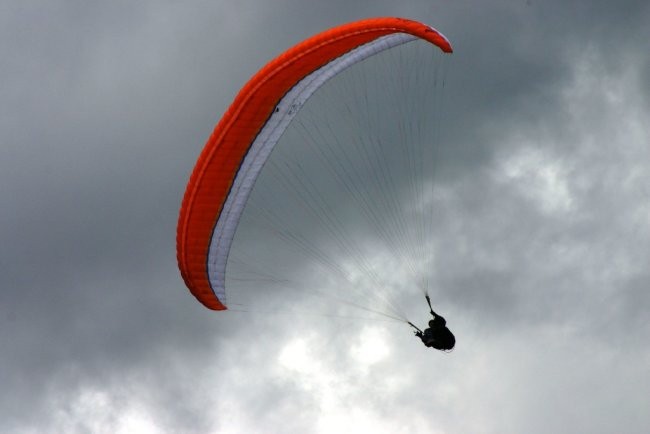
x=541, y=238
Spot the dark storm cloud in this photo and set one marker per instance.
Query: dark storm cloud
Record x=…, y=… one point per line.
x=103, y=111
x=86, y=166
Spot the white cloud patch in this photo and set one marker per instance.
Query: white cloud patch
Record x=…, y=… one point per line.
x=352, y=391
x=371, y=347
x=539, y=177
x=100, y=411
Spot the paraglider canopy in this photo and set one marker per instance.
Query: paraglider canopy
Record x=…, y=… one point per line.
x=235, y=153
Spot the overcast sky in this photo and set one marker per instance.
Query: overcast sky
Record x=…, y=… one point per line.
x=544, y=221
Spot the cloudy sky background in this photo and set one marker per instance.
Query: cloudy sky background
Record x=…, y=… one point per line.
x=544, y=223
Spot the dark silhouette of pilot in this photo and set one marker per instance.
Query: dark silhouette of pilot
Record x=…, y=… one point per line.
x=437, y=336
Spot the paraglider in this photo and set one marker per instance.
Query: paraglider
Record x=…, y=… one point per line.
x=437, y=336
x=228, y=168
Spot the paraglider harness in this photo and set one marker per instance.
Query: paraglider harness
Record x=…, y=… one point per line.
x=437, y=336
